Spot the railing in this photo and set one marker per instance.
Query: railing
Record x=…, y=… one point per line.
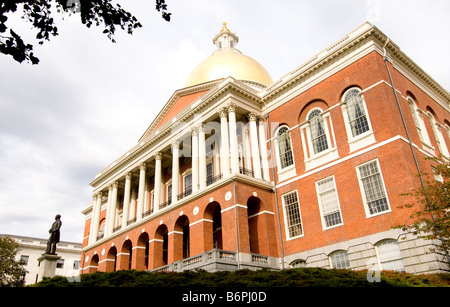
x=184, y=194
x=215, y=256
x=117, y=228
x=131, y=221
x=246, y=172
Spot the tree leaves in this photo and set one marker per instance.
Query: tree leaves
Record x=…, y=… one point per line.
x=39, y=14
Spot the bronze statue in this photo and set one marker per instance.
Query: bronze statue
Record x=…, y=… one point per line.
x=54, y=236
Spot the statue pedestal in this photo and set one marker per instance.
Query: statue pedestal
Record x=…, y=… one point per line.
x=47, y=266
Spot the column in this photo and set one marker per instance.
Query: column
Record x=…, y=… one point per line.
x=255, y=147
x=112, y=208
x=202, y=156
x=194, y=154
x=263, y=147
x=157, y=188
x=233, y=139
x=108, y=211
x=126, y=200
x=224, y=148
x=175, y=170
x=95, y=217
x=141, y=196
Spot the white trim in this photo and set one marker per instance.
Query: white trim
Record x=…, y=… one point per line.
x=199, y=221
x=395, y=138
x=259, y=213
x=177, y=232
x=232, y=207
x=288, y=238
x=324, y=227
x=363, y=194
x=156, y=240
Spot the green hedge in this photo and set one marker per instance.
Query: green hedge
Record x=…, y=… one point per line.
x=302, y=277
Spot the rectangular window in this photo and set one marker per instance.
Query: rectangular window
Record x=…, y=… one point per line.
x=292, y=215
x=60, y=263
x=24, y=259
x=373, y=188
x=188, y=184
x=209, y=173
x=329, y=202
x=169, y=194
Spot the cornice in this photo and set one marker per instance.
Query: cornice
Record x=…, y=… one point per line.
x=343, y=47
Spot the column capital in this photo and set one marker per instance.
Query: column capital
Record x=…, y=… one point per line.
x=158, y=155
x=142, y=166
x=175, y=144
x=201, y=127
x=252, y=116
x=261, y=119
x=194, y=131
x=128, y=176
x=223, y=112
x=231, y=107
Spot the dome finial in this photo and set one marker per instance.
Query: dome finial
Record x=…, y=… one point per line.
x=224, y=27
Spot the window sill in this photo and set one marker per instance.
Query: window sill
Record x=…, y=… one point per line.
x=361, y=141
x=321, y=158
x=286, y=173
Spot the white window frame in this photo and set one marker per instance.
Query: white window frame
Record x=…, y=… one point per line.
x=436, y=127
x=420, y=125
x=169, y=195
x=312, y=159
x=364, y=139
x=185, y=174
x=288, y=171
x=285, y=213
x=324, y=224
x=339, y=252
x=363, y=193
x=396, y=259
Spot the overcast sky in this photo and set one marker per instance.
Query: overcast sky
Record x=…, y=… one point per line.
x=89, y=100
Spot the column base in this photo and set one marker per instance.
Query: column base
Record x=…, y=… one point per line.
x=47, y=266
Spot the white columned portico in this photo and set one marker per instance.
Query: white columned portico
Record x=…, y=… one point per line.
x=254, y=144
x=141, y=196
x=175, y=170
x=126, y=200
x=263, y=148
x=224, y=147
x=195, y=161
x=202, y=156
x=234, y=155
x=157, y=189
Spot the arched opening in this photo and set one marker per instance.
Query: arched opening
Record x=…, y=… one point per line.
x=213, y=230
x=111, y=260
x=142, y=252
x=253, y=208
x=182, y=225
x=126, y=255
x=161, y=243
x=93, y=265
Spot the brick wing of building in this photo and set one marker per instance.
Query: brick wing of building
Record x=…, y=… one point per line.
x=238, y=171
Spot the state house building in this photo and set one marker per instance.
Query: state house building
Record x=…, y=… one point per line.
x=240, y=171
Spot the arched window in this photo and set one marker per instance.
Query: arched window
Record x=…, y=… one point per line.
x=285, y=147
x=339, y=260
x=419, y=123
x=438, y=135
x=299, y=263
x=317, y=129
x=356, y=111
x=389, y=255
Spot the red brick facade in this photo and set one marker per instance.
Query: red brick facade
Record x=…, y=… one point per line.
x=247, y=216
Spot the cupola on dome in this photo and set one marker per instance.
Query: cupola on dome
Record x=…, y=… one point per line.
x=228, y=61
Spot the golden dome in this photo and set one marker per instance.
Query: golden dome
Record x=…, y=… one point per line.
x=228, y=61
